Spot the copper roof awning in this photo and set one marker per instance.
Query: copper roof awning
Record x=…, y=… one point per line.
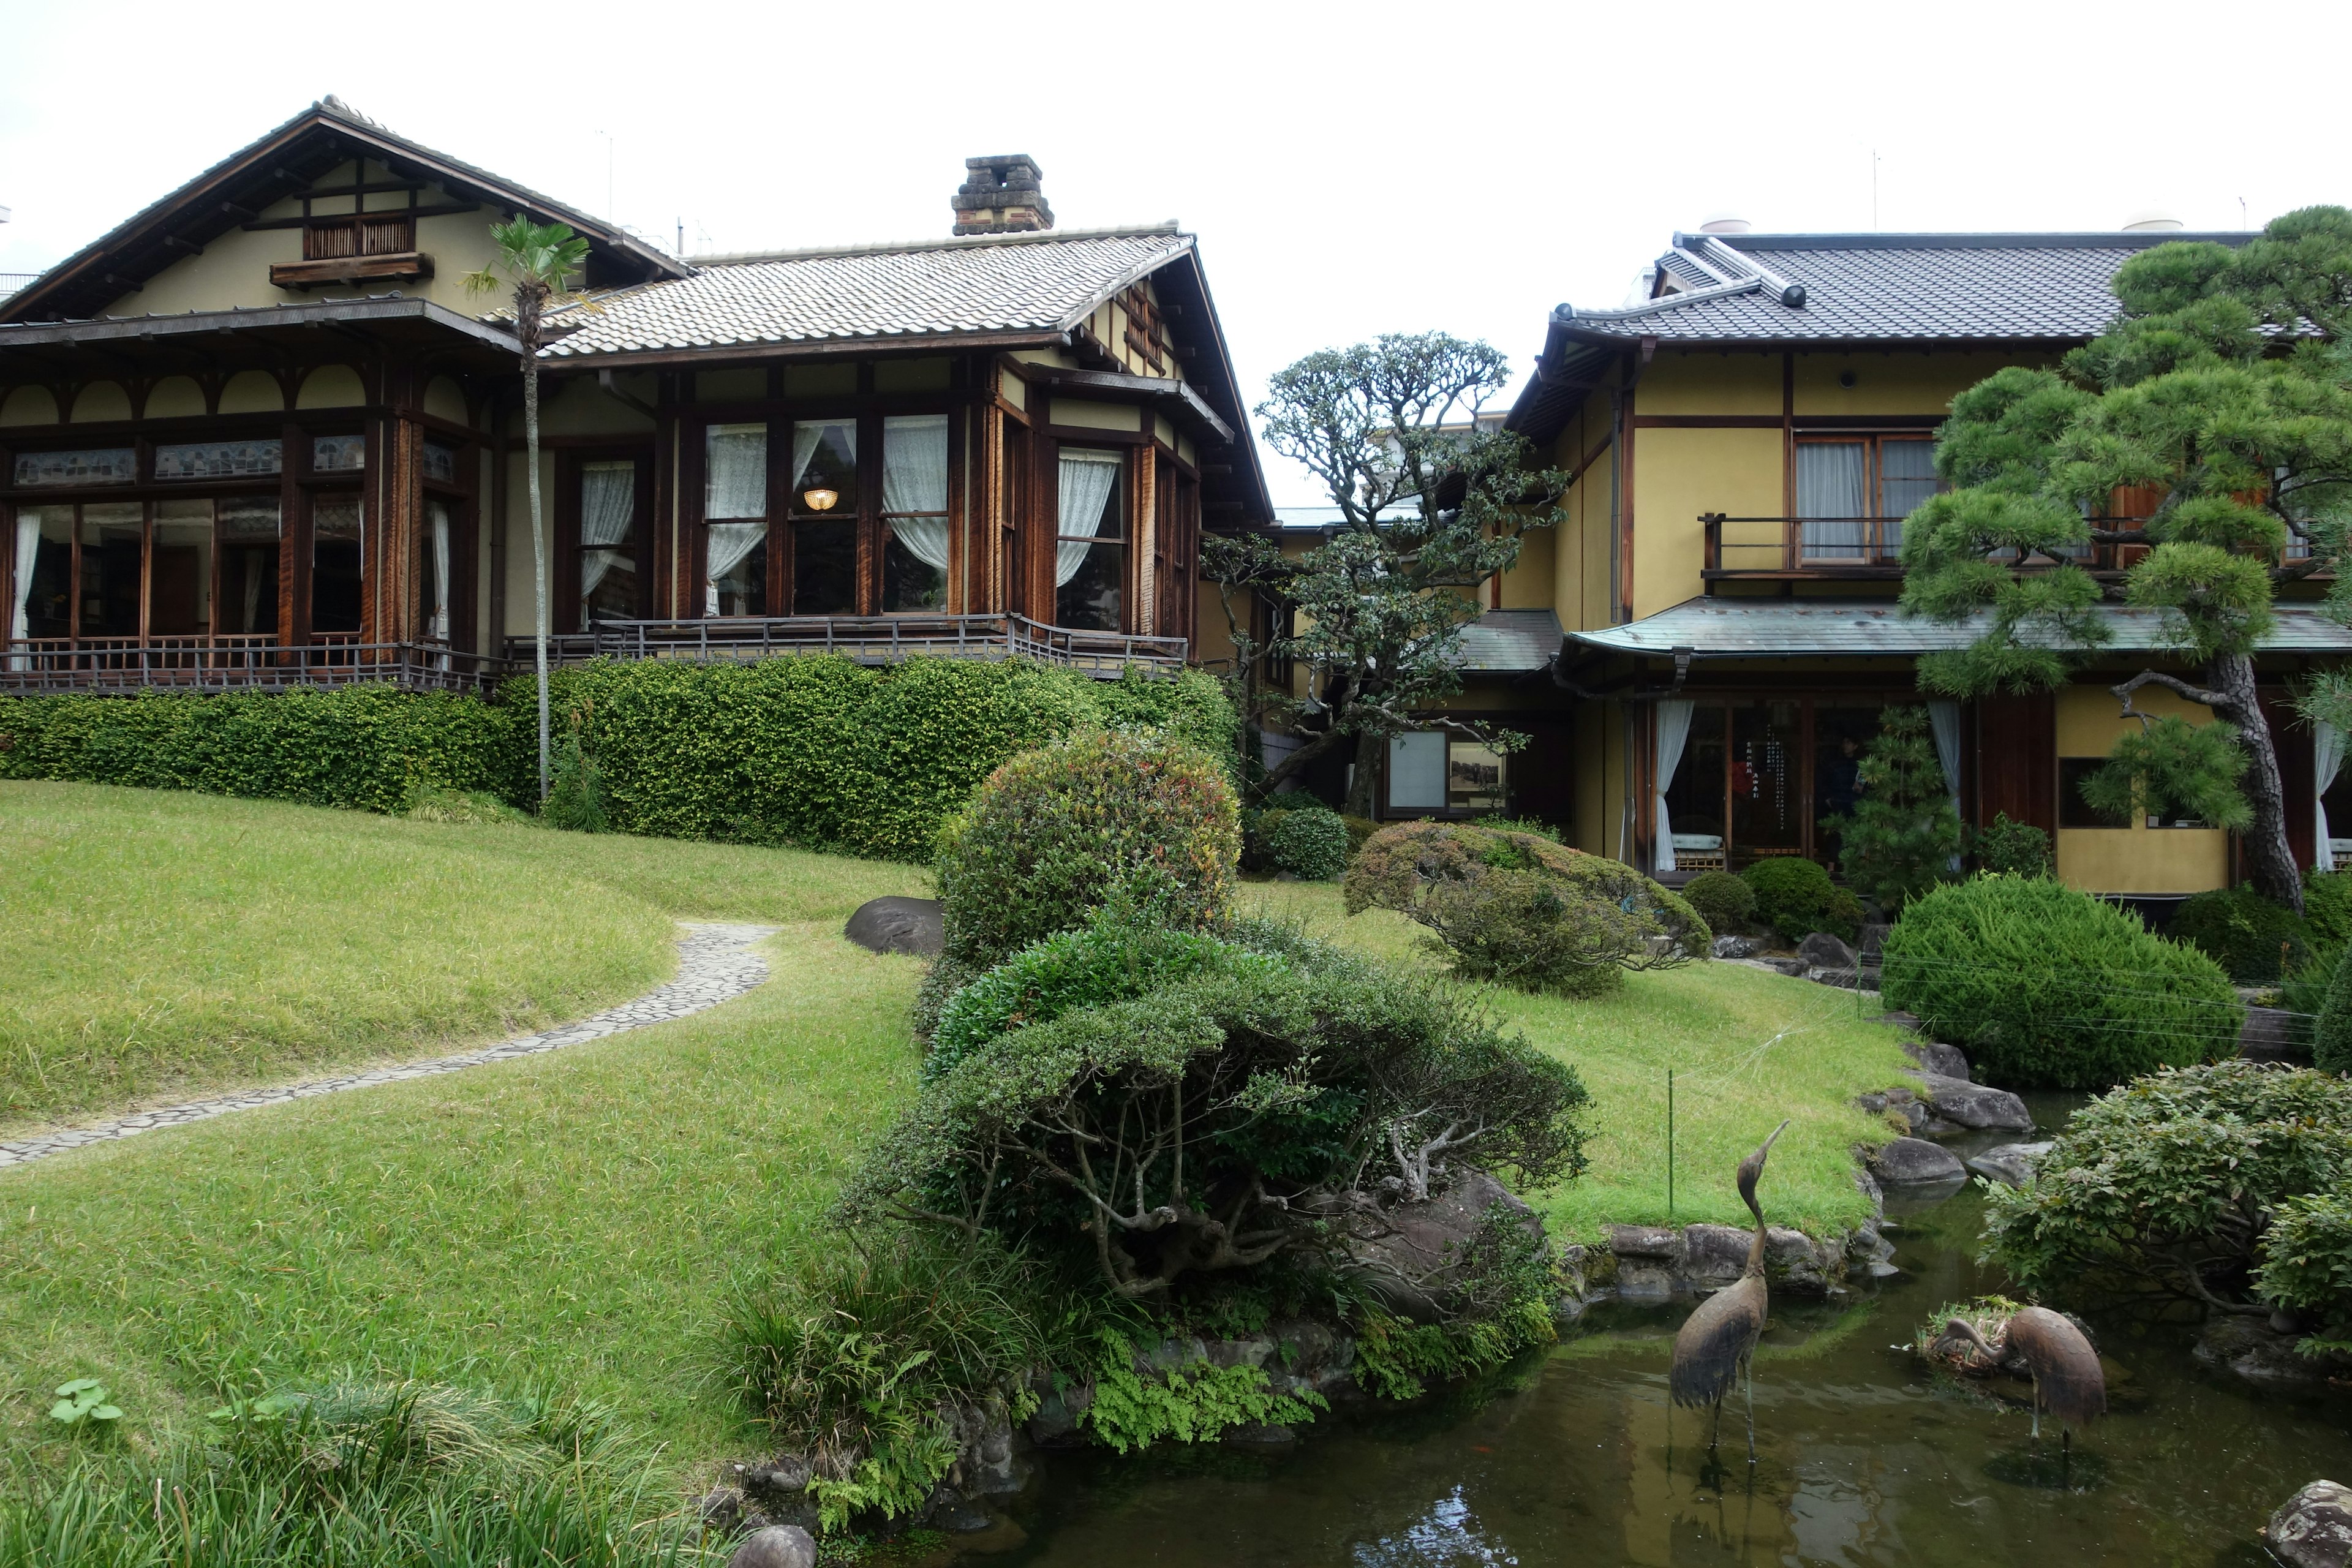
x=1869, y=629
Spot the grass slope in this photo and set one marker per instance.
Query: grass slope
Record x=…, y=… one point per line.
x=1746, y=1048
x=568, y=1221
x=160, y=944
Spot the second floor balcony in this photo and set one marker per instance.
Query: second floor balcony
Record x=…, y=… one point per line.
x=1865, y=549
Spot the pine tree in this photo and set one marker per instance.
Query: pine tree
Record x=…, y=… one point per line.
x=1904, y=834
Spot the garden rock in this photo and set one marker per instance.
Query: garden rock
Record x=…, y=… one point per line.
x=1256, y=1436
x=778, y=1546
x=1872, y=940
x=721, y=1510
x=1843, y=979
x=985, y=1464
x=1407, y=1252
x=1822, y=950
x=2268, y=1035
x=1974, y=1105
x=1915, y=1159
x=2313, y=1528
x=897, y=925
x=2250, y=1348
x=1739, y=946
x=1935, y=1058
x=1793, y=967
x=2010, y=1162
x=1713, y=1255
x=1054, y=1422
x=779, y=1483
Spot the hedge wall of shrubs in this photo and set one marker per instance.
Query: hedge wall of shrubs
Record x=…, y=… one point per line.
x=369, y=747
x=818, y=751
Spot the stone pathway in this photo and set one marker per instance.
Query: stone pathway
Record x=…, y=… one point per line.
x=716, y=964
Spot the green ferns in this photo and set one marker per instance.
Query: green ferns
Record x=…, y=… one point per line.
x=1195, y=1403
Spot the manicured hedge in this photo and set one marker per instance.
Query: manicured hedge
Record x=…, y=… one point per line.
x=362, y=746
x=818, y=751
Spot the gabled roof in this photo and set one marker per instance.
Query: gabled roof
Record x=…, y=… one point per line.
x=1824, y=290
x=1785, y=628
x=1042, y=283
x=281, y=163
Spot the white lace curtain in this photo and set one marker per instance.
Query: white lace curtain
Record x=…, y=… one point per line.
x=730, y=543
x=608, y=511
x=914, y=480
x=1831, y=486
x=1674, y=731
x=809, y=436
x=28, y=549
x=2327, y=761
x=735, y=483
x=1944, y=717
x=1087, y=480
x=439, y=513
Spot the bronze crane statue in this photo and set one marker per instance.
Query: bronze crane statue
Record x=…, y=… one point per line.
x=2063, y=1366
x=1716, y=1344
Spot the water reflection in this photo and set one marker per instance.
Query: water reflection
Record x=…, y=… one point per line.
x=1866, y=1459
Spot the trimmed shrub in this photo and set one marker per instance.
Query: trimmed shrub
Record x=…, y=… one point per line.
x=374, y=748
x=1904, y=834
x=1795, y=896
x=2254, y=940
x=1523, y=910
x=2331, y=1035
x=1146, y=823
x=1360, y=832
x=1312, y=844
x=1518, y=825
x=2014, y=848
x=2051, y=988
x=1112, y=960
x=2307, y=1265
x=1723, y=901
x=2158, y=1187
x=2327, y=908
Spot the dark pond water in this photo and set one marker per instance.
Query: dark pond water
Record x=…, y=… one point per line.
x=1867, y=1458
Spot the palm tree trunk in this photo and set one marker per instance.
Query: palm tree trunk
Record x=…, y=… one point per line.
x=537, y=556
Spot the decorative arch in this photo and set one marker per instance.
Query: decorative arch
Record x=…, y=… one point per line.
x=175, y=398
x=29, y=405
x=253, y=392
x=102, y=402
x=331, y=387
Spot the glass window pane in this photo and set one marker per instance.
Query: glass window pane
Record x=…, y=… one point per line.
x=248, y=520
x=108, y=466
x=824, y=467
x=909, y=581
x=1830, y=484
x=180, y=581
x=1088, y=598
x=824, y=567
x=218, y=459
x=441, y=462
x=608, y=561
x=1474, y=776
x=337, y=528
x=110, y=538
x=915, y=464
x=1417, y=773
x=45, y=597
x=433, y=581
x=337, y=454
x=735, y=476
x=737, y=567
x=1767, y=805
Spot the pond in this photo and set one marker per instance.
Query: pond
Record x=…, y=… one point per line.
x=1865, y=1458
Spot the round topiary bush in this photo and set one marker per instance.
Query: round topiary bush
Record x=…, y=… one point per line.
x=1143, y=821
x=1523, y=910
x=1795, y=896
x=2254, y=939
x=2051, y=988
x=1723, y=901
x=1311, y=843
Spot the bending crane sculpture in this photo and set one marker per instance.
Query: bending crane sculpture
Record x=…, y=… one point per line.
x=2063, y=1366
x=1718, y=1342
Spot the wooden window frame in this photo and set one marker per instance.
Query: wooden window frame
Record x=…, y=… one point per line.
x=570, y=491
x=1874, y=484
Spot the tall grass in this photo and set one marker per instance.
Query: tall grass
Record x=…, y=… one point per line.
x=362, y=1476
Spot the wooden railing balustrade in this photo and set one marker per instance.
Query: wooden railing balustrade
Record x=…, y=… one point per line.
x=866, y=639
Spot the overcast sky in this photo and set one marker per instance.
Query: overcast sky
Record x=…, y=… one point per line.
x=1350, y=169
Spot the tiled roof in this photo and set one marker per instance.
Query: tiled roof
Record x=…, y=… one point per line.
x=1509, y=642
x=1782, y=629
x=1043, y=282
x=1864, y=287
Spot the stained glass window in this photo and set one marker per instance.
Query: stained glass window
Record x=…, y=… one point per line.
x=337, y=454
x=107, y=466
x=218, y=459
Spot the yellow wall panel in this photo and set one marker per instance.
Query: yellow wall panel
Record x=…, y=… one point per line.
x=331, y=387
x=29, y=405
x=175, y=398
x=101, y=400
x=1699, y=381
x=1902, y=381
x=252, y=391
x=2137, y=858
x=1679, y=474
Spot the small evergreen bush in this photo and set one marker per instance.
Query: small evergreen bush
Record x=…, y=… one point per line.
x=1523, y=910
x=1311, y=844
x=576, y=795
x=1723, y=901
x=2051, y=988
x=2014, y=848
x=2307, y=1265
x=1795, y=896
x=1144, y=821
x=1904, y=834
x=2252, y=939
x=2331, y=1037
x=2328, y=908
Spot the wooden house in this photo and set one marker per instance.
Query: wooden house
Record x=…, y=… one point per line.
x=258, y=435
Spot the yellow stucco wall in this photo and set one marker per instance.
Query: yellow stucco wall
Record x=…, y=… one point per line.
x=1528, y=585
x=1703, y=382
x=1897, y=381
x=252, y=391
x=174, y=397
x=101, y=400
x=1096, y=416
x=1677, y=475
x=1580, y=587
x=2137, y=858
x=29, y=405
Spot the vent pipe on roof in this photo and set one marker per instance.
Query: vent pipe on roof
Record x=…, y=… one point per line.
x=2152, y=223
x=1723, y=223
x=1001, y=194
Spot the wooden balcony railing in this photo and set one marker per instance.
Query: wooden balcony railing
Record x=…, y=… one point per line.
x=1790, y=549
x=34, y=665
x=867, y=640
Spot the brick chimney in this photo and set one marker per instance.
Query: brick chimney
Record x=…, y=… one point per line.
x=1001, y=195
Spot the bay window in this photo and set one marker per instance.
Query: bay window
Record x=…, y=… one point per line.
x=735, y=513
x=915, y=513
x=822, y=503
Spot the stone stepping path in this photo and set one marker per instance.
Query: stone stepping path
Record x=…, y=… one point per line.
x=716, y=964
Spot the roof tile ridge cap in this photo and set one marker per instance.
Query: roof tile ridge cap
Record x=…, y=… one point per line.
x=1790, y=294
x=1663, y=303
x=1166, y=227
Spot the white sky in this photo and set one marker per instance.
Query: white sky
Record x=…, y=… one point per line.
x=1350, y=169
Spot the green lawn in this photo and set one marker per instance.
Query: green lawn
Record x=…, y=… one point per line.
x=161, y=944
x=1746, y=1048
